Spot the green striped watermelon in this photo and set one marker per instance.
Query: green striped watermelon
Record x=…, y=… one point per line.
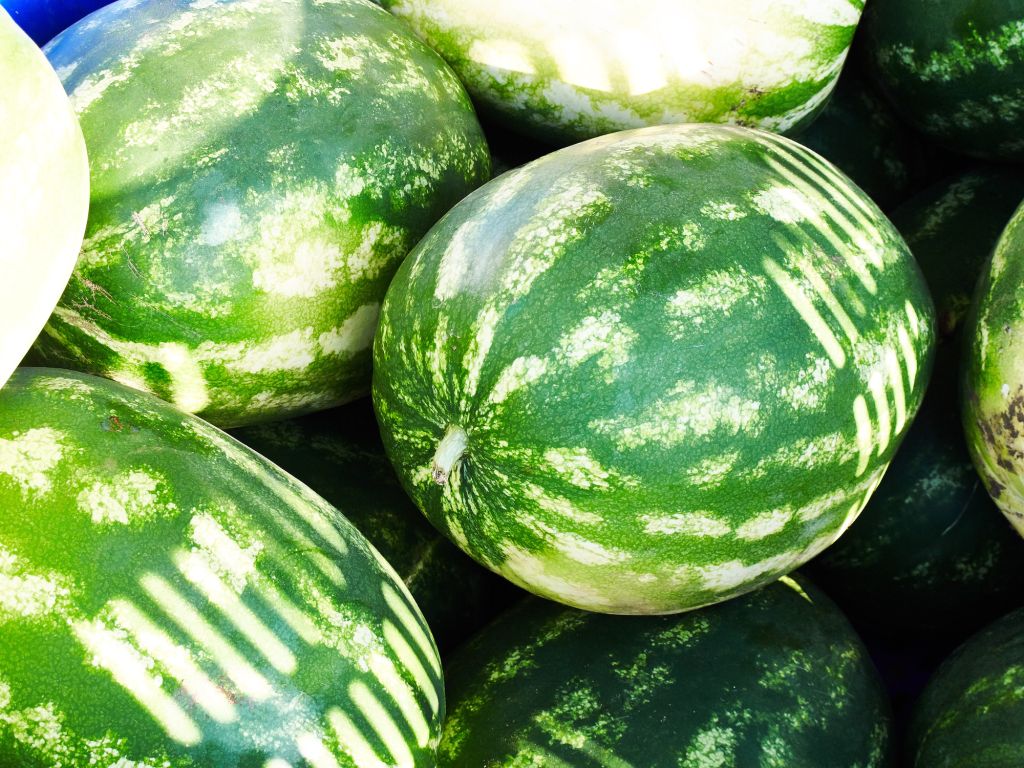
x=970, y=714
x=169, y=599
x=259, y=169
x=954, y=69
x=931, y=552
x=338, y=454
x=776, y=679
x=44, y=192
x=570, y=71
x=858, y=132
x=993, y=378
x=654, y=370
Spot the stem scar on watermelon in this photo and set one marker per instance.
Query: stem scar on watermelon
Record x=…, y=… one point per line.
x=654, y=370
x=449, y=453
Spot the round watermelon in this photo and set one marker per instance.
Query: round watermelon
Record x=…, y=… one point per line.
x=931, y=553
x=169, y=598
x=970, y=714
x=570, y=71
x=42, y=19
x=993, y=374
x=860, y=134
x=44, y=192
x=654, y=370
x=954, y=69
x=338, y=454
x=259, y=169
x=776, y=678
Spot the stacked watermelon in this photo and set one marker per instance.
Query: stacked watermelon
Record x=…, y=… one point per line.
x=629, y=348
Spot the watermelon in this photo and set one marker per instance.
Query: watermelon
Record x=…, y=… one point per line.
x=43, y=19
x=931, y=553
x=858, y=132
x=260, y=168
x=653, y=370
x=954, y=69
x=44, y=192
x=776, y=678
x=169, y=598
x=338, y=454
x=564, y=72
x=993, y=375
x=970, y=714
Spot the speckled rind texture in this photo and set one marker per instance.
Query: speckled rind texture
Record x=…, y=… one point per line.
x=169, y=599
x=993, y=384
x=970, y=714
x=954, y=69
x=259, y=169
x=682, y=356
x=569, y=71
x=858, y=132
x=776, y=678
x=338, y=454
x=931, y=552
x=44, y=192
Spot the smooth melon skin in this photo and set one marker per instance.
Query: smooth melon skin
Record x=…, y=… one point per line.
x=169, y=598
x=654, y=370
x=930, y=554
x=569, y=71
x=954, y=69
x=338, y=454
x=44, y=192
x=970, y=714
x=775, y=678
x=260, y=168
x=993, y=374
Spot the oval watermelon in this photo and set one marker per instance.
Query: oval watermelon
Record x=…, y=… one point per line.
x=260, y=168
x=338, y=454
x=169, y=598
x=954, y=69
x=44, y=192
x=993, y=375
x=654, y=370
x=776, y=678
x=570, y=71
x=931, y=553
x=970, y=714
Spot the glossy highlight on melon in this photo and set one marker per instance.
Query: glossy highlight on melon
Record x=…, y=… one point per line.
x=654, y=370
x=775, y=678
x=44, y=192
x=169, y=598
x=568, y=71
x=259, y=170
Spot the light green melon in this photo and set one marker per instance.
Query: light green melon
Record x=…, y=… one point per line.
x=44, y=192
x=170, y=599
